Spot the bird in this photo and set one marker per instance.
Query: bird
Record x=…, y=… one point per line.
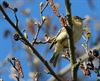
x=61, y=39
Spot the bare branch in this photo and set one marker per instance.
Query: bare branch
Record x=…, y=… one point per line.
x=41, y=42
x=40, y=24
x=71, y=41
x=39, y=27
x=44, y=7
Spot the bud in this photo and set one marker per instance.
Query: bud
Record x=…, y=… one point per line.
x=25, y=35
x=95, y=52
x=15, y=10
x=16, y=37
x=5, y=4
x=43, y=18
x=88, y=34
x=41, y=4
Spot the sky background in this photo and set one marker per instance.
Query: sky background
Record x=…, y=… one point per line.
x=79, y=7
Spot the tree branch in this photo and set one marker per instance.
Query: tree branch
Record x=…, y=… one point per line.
x=44, y=7
x=69, y=29
x=29, y=44
x=71, y=41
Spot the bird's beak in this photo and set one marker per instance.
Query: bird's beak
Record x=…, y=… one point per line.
x=83, y=18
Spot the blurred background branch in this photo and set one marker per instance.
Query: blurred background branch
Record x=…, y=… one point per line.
x=67, y=68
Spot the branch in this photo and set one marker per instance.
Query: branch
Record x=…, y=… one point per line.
x=69, y=29
x=40, y=24
x=41, y=42
x=67, y=68
x=71, y=41
x=29, y=44
x=68, y=12
x=39, y=27
x=12, y=64
x=44, y=7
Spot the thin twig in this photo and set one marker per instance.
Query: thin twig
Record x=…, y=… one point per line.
x=17, y=66
x=44, y=7
x=14, y=15
x=17, y=78
x=41, y=42
x=13, y=64
x=36, y=36
x=29, y=44
x=16, y=20
x=39, y=25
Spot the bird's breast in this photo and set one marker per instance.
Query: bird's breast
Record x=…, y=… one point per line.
x=61, y=36
x=77, y=34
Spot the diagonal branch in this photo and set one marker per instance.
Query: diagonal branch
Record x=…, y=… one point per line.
x=44, y=7
x=29, y=44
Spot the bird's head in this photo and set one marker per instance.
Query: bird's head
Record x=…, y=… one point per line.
x=77, y=21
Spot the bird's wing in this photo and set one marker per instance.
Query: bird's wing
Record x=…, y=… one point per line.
x=58, y=33
x=54, y=41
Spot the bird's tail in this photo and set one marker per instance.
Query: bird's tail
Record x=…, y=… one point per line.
x=54, y=59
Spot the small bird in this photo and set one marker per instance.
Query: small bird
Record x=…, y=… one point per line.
x=61, y=39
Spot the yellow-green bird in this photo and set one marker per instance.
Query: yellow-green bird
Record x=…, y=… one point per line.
x=61, y=39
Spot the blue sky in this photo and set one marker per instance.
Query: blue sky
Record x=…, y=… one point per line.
x=79, y=7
